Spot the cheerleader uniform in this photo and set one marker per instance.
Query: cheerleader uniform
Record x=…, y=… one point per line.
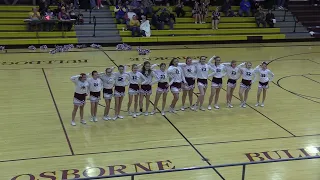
x=134, y=80
x=190, y=74
x=121, y=81
x=203, y=74
x=163, y=81
x=248, y=76
x=146, y=87
x=233, y=74
x=265, y=76
x=177, y=78
x=81, y=91
x=220, y=71
x=95, y=87
x=215, y=15
x=108, y=83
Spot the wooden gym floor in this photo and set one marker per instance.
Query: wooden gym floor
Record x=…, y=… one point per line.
x=38, y=142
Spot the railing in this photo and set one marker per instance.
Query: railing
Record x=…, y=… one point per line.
x=295, y=23
x=284, y=15
x=90, y=15
x=132, y=175
x=94, y=26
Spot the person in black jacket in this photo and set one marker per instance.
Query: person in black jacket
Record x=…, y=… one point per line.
x=270, y=19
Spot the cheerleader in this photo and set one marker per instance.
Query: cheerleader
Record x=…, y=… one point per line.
x=146, y=87
x=202, y=69
x=265, y=76
x=79, y=100
x=216, y=85
x=108, y=80
x=176, y=75
x=95, y=87
x=233, y=73
x=135, y=78
x=163, y=88
x=196, y=13
x=248, y=76
x=121, y=81
x=189, y=72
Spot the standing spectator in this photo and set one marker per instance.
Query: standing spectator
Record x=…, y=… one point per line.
x=99, y=5
x=196, y=13
x=34, y=16
x=270, y=19
x=215, y=18
x=244, y=8
x=145, y=27
x=120, y=13
x=134, y=26
x=147, y=7
x=226, y=7
x=204, y=8
x=93, y=4
x=260, y=18
x=64, y=18
x=179, y=9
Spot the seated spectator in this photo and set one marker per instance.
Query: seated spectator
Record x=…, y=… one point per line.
x=215, y=18
x=34, y=16
x=129, y=15
x=179, y=9
x=226, y=7
x=147, y=7
x=204, y=11
x=254, y=7
x=134, y=26
x=71, y=10
x=169, y=10
x=145, y=27
x=120, y=13
x=230, y=13
x=43, y=7
x=165, y=18
x=136, y=7
x=64, y=17
x=196, y=13
x=155, y=21
x=260, y=18
x=270, y=19
x=47, y=24
x=244, y=8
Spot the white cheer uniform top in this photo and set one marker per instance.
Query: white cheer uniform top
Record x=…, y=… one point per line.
x=80, y=87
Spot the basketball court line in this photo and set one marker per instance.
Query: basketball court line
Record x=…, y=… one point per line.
x=160, y=147
x=186, y=47
x=177, y=129
x=311, y=79
x=58, y=112
x=313, y=61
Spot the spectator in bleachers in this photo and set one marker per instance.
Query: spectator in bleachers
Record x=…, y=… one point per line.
x=34, y=15
x=179, y=9
x=255, y=6
x=47, y=24
x=155, y=21
x=215, y=18
x=147, y=7
x=64, y=17
x=270, y=19
x=145, y=27
x=71, y=10
x=134, y=26
x=260, y=17
x=204, y=7
x=196, y=13
x=226, y=7
x=165, y=18
x=280, y=4
x=169, y=10
x=43, y=7
x=244, y=8
x=120, y=13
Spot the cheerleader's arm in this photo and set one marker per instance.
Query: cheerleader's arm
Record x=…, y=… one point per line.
x=271, y=75
x=75, y=79
x=211, y=59
x=155, y=77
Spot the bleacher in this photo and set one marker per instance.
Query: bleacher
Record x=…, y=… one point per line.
x=13, y=29
x=230, y=28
